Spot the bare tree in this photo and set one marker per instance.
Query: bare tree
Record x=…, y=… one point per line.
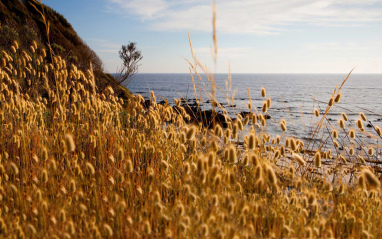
x=131, y=58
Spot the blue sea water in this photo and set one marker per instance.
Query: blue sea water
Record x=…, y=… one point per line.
x=293, y=96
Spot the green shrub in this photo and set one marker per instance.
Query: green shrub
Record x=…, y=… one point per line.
x=58, y=49
x=28, y=35
x=7, y=36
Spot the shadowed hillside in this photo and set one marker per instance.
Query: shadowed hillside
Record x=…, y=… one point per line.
x=21, y=22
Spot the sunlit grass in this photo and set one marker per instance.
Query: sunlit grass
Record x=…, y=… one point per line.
x=76, y=162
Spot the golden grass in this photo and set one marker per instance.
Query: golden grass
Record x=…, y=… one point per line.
x=79, y=163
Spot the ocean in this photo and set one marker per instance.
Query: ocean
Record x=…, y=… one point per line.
x=293, y=97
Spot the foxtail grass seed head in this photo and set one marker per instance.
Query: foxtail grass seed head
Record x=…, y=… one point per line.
x=278, y=139
x=370, y=178
x=352, y=134
x=218, y=131
x=14, y=189
x=271, y=175
x=234, y=131
x=344, y=116
x=316, y=112
x=293, y=144
x=263, y=92
x=378, y=130
x=90, y=168
x=292, y=170
x=269, y=103
x=44, y=154
x=164, y=165
x=363, y=117
x=232, y=158
x=191, y=133
x=211, y=159
x=341, y=123
x=246, y=120
x=351, y=151
x=342, y=159
x=232, y=178
x=286, y=231
x=334, y=134
x=251, y=141
x=311, y=199
x=338, y=98
x=282, y=150
x=240, y=124
x=62, y=215
x=331, y=102
x=32, y=229
x=120, y=154
x=187, y=168
x=359, y=124
x=146, y=228
x=204, y=230
x=129, y=166
x=16, y=44
x=254, y=118
x=255, y=160
x=246, y=160
x=335, y=143
x=15, y=169
x=71, y=228
x=258, y=173
x=283, y=126
x=370, y=151
x=217, y=180
x=69, y=142
x=317, y=159
x=108, y=231
x=299, y=159
x=263, y=122
x=44, y=177
x=72, y=186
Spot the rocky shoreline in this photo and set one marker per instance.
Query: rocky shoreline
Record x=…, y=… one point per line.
x=197, y=114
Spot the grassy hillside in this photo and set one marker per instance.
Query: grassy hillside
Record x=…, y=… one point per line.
x=21, y=22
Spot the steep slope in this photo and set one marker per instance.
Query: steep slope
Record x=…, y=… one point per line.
x=21, y=22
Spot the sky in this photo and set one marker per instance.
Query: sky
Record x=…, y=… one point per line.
x=253, y=36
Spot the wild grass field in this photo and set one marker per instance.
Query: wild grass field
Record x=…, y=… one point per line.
x=79, y=163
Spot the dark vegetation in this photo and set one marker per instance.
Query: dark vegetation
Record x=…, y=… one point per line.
x=130, y=57
x=20, y=21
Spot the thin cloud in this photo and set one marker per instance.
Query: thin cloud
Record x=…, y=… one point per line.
x=259, y=17
x=229, y=52
x=342, y=46
x=103, y=45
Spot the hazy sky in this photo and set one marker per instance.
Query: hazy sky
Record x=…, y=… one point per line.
x=256, y=36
